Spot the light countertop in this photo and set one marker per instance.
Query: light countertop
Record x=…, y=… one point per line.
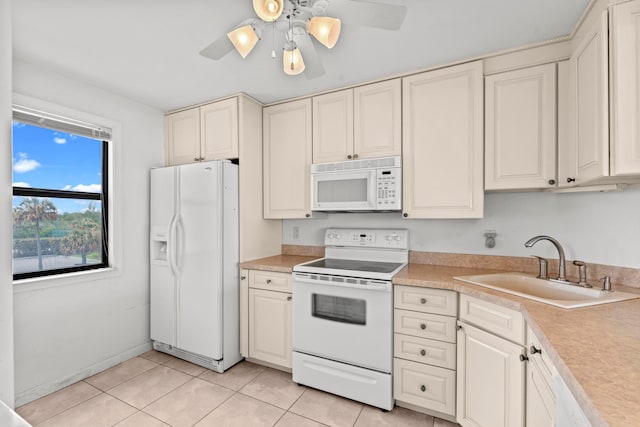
x=596, y=350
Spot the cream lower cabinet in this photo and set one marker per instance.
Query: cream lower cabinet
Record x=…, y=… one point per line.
x=424, y=376
x=541, y=400
x=442, y=146
x=269, y=317
x=287, y=160
x=490, y=367
x=520, y=129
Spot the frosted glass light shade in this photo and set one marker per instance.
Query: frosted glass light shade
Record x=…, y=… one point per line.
x=244, y=39
x=325, y=29
x=268, y=10
x=292, y=62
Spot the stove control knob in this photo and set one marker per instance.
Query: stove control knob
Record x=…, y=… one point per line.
x=397, y=238
x=389, y=237
x=331, y=236
x=337, y=236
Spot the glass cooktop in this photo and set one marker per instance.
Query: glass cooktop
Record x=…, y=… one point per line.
x=355, y=265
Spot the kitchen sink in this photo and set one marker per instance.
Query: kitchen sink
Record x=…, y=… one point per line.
x=558, y=294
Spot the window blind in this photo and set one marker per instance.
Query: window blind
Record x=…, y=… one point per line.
x=62, y=124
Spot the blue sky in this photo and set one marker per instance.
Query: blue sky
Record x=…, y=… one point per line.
x=45, y=158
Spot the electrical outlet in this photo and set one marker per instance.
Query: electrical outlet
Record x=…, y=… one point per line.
x=296, y=232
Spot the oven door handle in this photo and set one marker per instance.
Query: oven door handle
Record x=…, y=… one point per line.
x=372, y=287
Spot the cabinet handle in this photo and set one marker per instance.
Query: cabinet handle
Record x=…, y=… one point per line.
x=570, y=180
x=423, y=300
x=349, y=156
x=307, y=215
x=268, y=281
x=195, y=159
x=405, y=214
x=535, y=350
x=423, y=326
x=423, y=388
x=243, y=277
x=523, y=358
x=289, y=298
x=552, y=182
x=423, y=352
x=459, y=327
x=355, y=156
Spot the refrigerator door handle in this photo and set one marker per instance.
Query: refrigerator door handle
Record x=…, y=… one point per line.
x=179, y=243
x=171, y=251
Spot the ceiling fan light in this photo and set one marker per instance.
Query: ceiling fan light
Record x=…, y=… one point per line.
x=268, y=10
x=292, y=62
x=243, y=39
x=325, y=29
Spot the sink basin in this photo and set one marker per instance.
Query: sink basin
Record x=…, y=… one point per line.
x=557, y=294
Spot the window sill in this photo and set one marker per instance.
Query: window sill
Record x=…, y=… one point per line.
x=45, y=282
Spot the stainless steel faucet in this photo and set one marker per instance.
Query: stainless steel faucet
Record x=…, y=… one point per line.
x=562, y=273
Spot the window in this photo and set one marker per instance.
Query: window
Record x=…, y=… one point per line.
x=60, y=176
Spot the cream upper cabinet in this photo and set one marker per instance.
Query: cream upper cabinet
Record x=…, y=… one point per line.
x=589, y=103
x=377, y=120
x=287, y=160
x=359, y=123
x=209, y=132
x=520, y=129
x=182, y=134
x=219, y=130
x=625, y=87
x=442, y=148
x=333, y=127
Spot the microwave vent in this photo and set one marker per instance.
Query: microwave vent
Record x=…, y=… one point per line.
x=356, y=164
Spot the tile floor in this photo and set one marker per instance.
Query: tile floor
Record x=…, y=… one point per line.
x=158, y=390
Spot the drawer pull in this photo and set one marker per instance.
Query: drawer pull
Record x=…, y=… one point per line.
x=523, y=358
x=423, y=326
x=535, y=350
x=423, y=352
x=423, y=300
x=268, y=281
x=289, y=298
x=243, y=277
x=423, y=388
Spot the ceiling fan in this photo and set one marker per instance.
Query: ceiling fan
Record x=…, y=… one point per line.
x=298, y=20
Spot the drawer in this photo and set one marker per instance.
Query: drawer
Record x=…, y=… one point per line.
x=435, y=301
x=540, y=357
x=494, y=318
x=422, y=350
x=270, y=281
x=426, y=386
x=425, y=325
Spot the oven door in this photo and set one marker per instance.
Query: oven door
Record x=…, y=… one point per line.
x=344, y=191
x=345, y=322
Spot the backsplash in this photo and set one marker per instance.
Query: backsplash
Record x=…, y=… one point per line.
x=598, y=228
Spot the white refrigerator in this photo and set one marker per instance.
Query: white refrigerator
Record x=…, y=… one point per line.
x=194, y=263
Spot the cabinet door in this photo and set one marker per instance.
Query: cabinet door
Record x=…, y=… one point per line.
x=270, y=326
x=520, y=126
x=589, y=99
x=219, y=130
x=490, y=380
x=540, y=402
x=182, y=133
x=625, y=86
x=287, y=160
x=333, y=127
x=442, y=143
x=244, y=313
x=377, y=120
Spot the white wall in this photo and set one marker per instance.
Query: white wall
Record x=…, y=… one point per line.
x=6, y=295
x=72, y=328
x=601, y=228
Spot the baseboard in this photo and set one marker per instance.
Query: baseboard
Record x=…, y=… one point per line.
x=37, y=392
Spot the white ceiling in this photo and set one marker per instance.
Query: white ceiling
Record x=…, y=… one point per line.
x=147, y=50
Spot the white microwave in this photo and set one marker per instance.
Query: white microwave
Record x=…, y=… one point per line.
x=357, y=185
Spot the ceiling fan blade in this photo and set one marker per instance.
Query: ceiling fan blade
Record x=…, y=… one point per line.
x=218, y=48
x=378, y=15
x=312, y=63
